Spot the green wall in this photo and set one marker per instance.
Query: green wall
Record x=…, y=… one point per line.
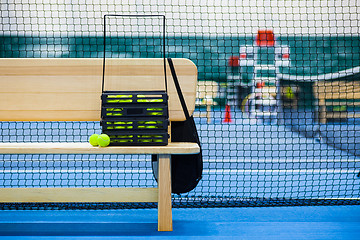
x=310, y=55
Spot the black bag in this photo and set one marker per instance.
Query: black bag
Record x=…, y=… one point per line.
x=186, y=170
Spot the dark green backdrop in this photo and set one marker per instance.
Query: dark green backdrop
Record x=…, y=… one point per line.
x=310, y=55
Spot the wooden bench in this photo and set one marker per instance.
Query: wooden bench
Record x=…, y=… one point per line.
x=205, y=93
x=334, y=98
x=70, y=90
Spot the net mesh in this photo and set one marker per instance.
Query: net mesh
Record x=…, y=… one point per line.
x=272, y=131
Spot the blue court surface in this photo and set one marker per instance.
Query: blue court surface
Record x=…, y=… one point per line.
x=242, y=159
x=320, y=222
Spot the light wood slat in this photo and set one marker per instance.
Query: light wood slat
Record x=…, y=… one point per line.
x=92, y=62
x=337, y=83
x=42, y=62
x=355, y=86
x=49, y=70
x=164, y=183
x=78, y=195
x=45, y=84
x=339, y=89
x=90, y=66
x=58, y=115
x=86, y=148
x=88, y=70
x=342, y=115
x=350, y=104
x=336, y=90
x=53, y=101
x=338, y=95
x=68, y=84
x=50, y=101
x=87, y=84
x=51, y=115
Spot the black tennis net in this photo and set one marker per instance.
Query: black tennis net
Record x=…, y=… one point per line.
x=270, y=133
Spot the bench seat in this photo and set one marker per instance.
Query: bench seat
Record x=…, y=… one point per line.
x=86, y=148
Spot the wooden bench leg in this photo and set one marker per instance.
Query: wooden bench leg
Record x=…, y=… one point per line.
x=208, y=113
x=164, y=185
x=322, y=111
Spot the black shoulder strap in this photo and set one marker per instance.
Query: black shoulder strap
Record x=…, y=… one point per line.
x=178, y=88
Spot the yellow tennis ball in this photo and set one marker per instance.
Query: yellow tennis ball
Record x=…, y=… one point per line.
x=93, y=140
x=103, y=140
x=289, y=93
x=156, y=100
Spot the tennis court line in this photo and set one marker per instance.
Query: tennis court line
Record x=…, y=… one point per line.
x=211, y=160
x=291, y=171
x=283, y=160
x=205, y=171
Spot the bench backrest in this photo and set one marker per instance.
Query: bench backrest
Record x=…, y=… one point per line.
x=337, y=90
x=207, y=90
x=60, y=89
